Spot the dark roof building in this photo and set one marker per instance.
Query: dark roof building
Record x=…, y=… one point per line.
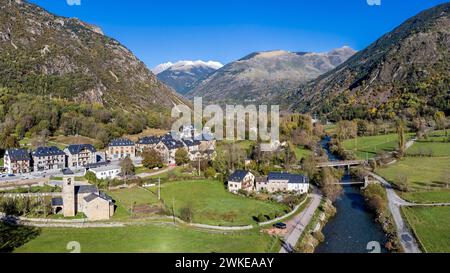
x=149, y=140
x=261, y=179
x=171, y=143
x=119, y=142
x=77, y=148
x=238, y=176
x=191, y=143
x=48, y=151
x=18, y=155
x=83, y=189
x=94, y=196
x=291, y=178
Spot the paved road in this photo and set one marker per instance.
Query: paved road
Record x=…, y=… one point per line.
x=406, y=237
x=300, y=222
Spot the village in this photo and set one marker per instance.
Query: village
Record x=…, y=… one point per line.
x=77, y=161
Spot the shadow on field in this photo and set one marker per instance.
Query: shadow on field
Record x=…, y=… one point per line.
x=14, y=235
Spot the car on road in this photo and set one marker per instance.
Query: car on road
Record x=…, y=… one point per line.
x=280, y=226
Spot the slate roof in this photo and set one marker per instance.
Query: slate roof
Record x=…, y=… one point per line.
x=191, y=143
x=91, y=197
x=238, y=176
x=261, y=179
x=77, y=148
x=85, y=189
x=119, y=142
x=67, y=172
x=57, y=201
x=48, y=151
x=291, y=178
x=149, y=140
x=171, y=143
x=18, y=155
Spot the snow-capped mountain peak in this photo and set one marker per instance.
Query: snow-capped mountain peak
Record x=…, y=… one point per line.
x=161, y=68
x=185, y=65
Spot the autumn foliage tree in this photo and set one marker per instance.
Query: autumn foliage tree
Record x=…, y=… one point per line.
x=181, y=157
x=329, y=184
x=152, y=159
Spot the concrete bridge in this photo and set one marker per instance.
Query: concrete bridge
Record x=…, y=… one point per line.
x=345, y=163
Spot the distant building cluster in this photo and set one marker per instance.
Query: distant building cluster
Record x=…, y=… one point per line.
x=77, y=156
x=21, y=161
x=275, y=182
x=167, y=147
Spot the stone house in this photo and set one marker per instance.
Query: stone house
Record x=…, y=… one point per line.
x=284, y=182
x=86, y=199
x=193, y=148
x=207, y=144
x=17, y=161
x=168, y=147
x=261, y=183
x=48, y=158
x=241, y=180
x=120, y=149
x=80, y=155
x=147, y=143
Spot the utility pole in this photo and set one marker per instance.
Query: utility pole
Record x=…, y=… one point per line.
x=159, y=189
x=199, y=173
x=173, y=209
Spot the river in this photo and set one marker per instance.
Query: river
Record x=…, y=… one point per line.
x=353, y=229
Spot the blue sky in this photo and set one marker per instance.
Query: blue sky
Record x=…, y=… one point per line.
x=226, y=30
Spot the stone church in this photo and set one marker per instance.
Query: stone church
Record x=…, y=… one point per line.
x=86, y=199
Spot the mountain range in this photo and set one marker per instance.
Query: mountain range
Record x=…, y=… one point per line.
x=406, y=72
x=49, y=55
x=262, y=77
x=183, y=75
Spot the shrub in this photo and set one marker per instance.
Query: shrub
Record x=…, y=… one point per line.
x=187, y=214
x=210, y=173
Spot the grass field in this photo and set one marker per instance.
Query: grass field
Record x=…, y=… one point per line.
x=423, y=197
x=2, y=162
x=137, y=196
x=432, y=226
x=423, y=173
x=149, y=239
x=301, y=153
x=437, y=136
x=368, y=147
x=213, y=205
x=429, y=149
x=426, y=168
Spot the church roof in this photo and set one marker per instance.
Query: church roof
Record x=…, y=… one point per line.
x=91, y=197
x=57, y=201
x=85, y=189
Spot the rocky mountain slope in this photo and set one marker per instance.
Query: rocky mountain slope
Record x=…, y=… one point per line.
x=262, y=77
x=44, y=54
x=407, y=71
x=182, y=76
